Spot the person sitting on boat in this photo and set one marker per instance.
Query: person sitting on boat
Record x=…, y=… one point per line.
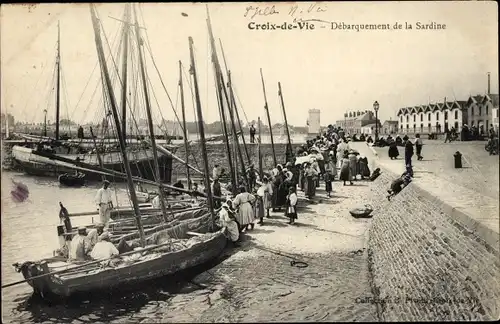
x=179, y=184
x=80, y=245
x=104, y=249
x=93, y=235
x=156, y=202
x=139, y=187
x=227, y=220
x=104, y=202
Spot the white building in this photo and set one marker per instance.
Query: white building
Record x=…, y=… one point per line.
x=313, y=122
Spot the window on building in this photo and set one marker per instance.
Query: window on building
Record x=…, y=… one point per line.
x=437, y=115
x=456, y=114
x=414, y=117
x=407, y=126
x=445, y=115
x=401, y=118
x=429, y=127
x=472, y=111
x=421, y=117
x=479, y=110
x=407, y=119
x=421, y=128
x=486, y=109
x=429, y=116
x=401, y=127
x=414, y=127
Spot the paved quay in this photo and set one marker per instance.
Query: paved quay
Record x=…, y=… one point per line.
x=469, y=194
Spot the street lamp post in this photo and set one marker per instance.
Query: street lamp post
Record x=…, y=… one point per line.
x=375, y=107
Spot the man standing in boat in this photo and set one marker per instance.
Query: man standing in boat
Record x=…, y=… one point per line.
x=252, y=133
x=104, y=202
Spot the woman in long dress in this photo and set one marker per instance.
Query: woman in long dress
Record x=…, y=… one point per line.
x=330, y=166
x=291, y=203
x=227, y=220
x=353, y=165
x=393, y=148
x=278, y=180
x=245, y=216
x=268, y=194
x=345, y=171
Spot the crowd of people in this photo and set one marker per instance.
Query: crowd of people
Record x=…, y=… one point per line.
x=327, y=158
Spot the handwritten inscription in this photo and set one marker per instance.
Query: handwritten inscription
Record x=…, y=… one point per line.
x=252, y=11
x=20, y=192
x=295, y=11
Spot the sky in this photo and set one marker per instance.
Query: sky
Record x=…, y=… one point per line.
x=331, y=70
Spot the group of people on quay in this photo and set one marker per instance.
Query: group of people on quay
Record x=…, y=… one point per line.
x=319, y=159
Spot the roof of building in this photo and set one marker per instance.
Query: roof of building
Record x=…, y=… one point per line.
x=494, y=99
x=394, y=122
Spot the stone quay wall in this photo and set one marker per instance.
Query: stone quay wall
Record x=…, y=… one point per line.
x=217, y=154
x=427, y=266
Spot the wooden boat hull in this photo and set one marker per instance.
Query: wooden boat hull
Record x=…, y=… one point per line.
x=140, y=163
x=159, y=265
x=71, y=181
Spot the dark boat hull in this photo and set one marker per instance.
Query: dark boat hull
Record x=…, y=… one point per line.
x=143, y=169
x=71, y=181
x=163, y=264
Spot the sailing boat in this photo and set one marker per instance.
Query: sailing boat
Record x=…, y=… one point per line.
x=177, y=246
x=140, y=158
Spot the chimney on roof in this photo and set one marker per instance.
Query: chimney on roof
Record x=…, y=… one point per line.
x=489, y=82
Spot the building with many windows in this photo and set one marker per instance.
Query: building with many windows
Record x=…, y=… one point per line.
x=355, y=121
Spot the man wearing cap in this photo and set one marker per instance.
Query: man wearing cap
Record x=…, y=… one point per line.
x=80, y=245
x=93, y=235
x=104, y=249
x=104, y=202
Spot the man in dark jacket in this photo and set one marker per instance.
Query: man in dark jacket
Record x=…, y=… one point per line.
x=408, y=150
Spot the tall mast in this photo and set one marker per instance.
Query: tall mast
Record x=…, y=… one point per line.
x=235, y=135
x=233, y=102
x=58, y=78
x=186, y=145
x=150, y=119
x=112, y=99
x=126, y=26
x=261, y=169
x=219, y=78
x=202, y=131
x=266, y=108
x=289, y=150
x=101, y=165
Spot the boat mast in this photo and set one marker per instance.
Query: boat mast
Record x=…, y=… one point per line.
x=58, y=78
x=235, y=135
x=233, y=101
x=126, y=26
x=150, y=119
x=202, y=131
x=289, y=151
x=112, y=99
x=219, y=78
x=266, y=108
x=261, y=169
x=101, y=165
x=186, y=144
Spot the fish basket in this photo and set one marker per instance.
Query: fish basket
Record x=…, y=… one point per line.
x=363, y=212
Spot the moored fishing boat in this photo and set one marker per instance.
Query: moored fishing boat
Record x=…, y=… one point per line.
x=72, y=179
x=180, y=247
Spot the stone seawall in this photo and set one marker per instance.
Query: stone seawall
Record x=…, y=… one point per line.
x=427, y=266
x=217, y=154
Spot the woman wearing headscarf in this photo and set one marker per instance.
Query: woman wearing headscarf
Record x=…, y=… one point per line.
x=227, y=220
x=310, y=173
x=345, y=173
x=278, y=181
x=243, y=202
x=329, y=169
x=393, y=148
x=291, y=203
x=267, y=189
x=353, y=164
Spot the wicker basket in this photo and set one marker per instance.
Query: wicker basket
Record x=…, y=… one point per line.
x=362, y=212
